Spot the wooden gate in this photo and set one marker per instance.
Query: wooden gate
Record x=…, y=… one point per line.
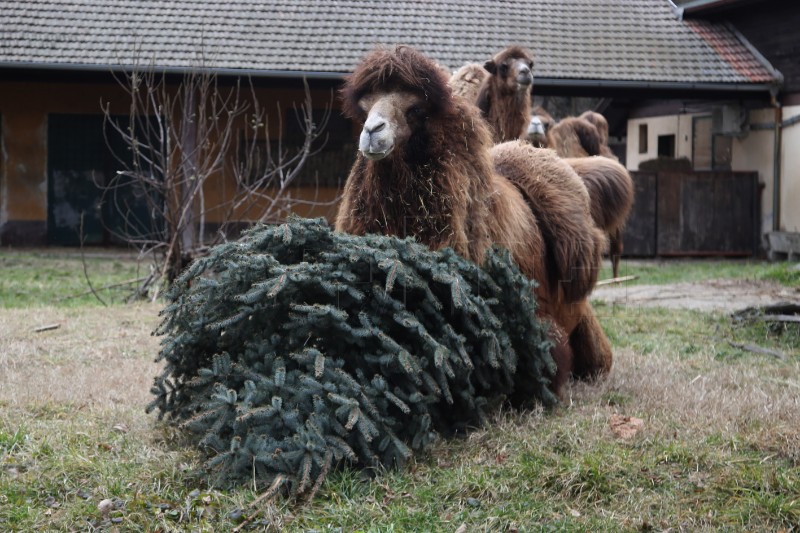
x=694, y=213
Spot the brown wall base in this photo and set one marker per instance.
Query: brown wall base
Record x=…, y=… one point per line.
x=23, y=233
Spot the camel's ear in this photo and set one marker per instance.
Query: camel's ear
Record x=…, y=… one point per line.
x=490, y=66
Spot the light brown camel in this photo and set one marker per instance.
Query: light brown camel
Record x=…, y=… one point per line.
x=501, y=90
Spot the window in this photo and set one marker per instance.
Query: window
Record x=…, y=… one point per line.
x=642, y=138
x=666, y=146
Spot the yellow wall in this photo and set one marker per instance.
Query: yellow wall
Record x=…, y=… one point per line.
x=24, y=107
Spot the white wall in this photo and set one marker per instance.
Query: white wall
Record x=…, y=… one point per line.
x=678, y=125
x=753, y=152
x=790, y=173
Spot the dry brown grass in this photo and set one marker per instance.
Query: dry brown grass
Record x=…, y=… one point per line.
x=717, y=433
x=97, y=358
x=692, y=399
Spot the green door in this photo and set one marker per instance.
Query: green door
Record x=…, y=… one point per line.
x=82, y=164
x=74, y=168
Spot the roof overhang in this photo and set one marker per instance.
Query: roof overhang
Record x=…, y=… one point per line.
x=547, y=85
x=691, y=7
x=653, y=88
x=178, y=71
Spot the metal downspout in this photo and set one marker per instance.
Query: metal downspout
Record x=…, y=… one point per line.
x=776, y=164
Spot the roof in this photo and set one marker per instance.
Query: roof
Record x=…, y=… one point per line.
x=631, y=41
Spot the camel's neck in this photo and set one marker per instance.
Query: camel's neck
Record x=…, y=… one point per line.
x=509, y=114
x=407, y=198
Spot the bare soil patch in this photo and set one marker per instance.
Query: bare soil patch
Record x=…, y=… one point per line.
x=728, y=295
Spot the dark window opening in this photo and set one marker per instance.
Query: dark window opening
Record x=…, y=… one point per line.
x=666, y=146
x=328, y=163
x=642, y=138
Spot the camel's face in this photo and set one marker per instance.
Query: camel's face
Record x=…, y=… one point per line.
x=516, y=72
x=537, y=131
x=391, y=117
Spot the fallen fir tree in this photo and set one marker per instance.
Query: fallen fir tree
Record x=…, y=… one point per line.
x=297, y=349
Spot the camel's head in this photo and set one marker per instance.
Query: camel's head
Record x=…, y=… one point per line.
x=390, y=119
x=539, y=126
x=514, y=66
x=393, y=93
x=537, y=133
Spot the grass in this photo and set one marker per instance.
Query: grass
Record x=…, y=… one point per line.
x=56, y=278
x=719, y=449
x=665, y=271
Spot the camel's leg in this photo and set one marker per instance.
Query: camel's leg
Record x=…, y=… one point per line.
x=615, y=249
x=591, y=350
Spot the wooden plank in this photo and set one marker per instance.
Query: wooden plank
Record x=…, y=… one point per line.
x=639, y=236
x=707, y=213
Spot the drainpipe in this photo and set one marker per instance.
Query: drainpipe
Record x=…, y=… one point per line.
x=776, y=162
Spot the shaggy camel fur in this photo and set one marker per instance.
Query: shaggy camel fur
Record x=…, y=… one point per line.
x=425, y=168
x=504, y=93
x=467, y=80
x=610, y=185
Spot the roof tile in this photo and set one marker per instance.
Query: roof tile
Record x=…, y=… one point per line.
x=630, y=40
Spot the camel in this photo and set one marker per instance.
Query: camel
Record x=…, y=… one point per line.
x=501, y=90
x=539, y=126
x=427, y=168
x=611, y=193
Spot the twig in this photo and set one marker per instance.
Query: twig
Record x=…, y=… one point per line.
x=46, y=328
x=104, y=287
x=615, y=280
x=85, y=271
x=268, y=495
x=758, y=349
x=778, y=318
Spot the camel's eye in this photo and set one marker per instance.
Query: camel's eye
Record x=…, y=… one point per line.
x=530, y=65
x=503, y=69
x=415, y=112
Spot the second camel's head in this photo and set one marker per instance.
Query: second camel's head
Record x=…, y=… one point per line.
x=394, y=93
x=513, y=67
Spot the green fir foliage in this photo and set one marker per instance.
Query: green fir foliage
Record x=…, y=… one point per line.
x=297, y=349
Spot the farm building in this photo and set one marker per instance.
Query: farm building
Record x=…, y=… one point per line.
x=696, y=81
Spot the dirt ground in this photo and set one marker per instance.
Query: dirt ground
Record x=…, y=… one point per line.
x=727, y=295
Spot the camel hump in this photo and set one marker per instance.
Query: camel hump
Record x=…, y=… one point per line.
x=560, y=202
x=610, y=189
x=467, y=80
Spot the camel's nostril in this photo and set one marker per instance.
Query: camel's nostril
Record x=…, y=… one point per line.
x=374, y=128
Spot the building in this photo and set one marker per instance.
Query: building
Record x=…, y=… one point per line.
x=737, y=132
x=58, y=61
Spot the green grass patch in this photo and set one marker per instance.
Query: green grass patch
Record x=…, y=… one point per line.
x=33, y=279
x=664, y=271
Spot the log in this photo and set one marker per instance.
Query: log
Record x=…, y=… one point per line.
x=611, y=281
x=46, y=328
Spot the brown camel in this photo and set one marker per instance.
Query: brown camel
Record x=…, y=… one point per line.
x=503, y=91
x=611, y=194
x=427, y=168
